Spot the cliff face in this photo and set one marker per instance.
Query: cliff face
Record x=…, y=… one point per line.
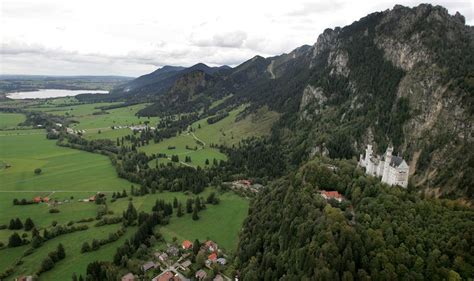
x=401, y=77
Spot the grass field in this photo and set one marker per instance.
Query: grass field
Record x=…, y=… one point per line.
x=10, y=120
x=221, y=223
x=62, y=168
x=68, y=175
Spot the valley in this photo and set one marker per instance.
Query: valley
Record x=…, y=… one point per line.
x=348, y=159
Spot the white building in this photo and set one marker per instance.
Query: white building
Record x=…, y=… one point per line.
x=392, y=169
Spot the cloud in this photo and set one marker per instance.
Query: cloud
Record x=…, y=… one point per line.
x=318, y=7
x=234, y=39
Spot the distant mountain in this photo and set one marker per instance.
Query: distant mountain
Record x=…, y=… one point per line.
x=159, y=81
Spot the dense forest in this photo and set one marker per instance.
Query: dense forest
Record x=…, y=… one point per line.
x=378, y=233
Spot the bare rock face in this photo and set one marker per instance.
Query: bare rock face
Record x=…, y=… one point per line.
x=338, y=60
x=326, y=42
x=312, y=97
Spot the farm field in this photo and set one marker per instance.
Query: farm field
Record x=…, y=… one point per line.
x=230, y=213
x=62, y=168
x=69, y=175
x=10, y=120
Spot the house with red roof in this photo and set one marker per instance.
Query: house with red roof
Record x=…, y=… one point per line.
x=331, y=195
x=211, y=246
x=212, y=257
x=37, y=199
x=46, y=199
x=187, y=244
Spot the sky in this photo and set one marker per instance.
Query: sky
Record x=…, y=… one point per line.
x=131, y=38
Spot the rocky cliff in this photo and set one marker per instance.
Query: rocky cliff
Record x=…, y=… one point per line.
x=402, y=77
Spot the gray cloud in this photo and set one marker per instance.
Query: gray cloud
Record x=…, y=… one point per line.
x=233, y=39
x=309, y=8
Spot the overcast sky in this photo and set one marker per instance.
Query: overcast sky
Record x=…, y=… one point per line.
x=102, y=37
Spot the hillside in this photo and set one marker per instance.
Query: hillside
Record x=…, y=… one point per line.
x=401, y=77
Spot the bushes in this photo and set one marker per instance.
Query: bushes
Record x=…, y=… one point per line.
x=15, y=240
x=53, y=211
x=15, y=224
x=52, y=258
x=96, y=244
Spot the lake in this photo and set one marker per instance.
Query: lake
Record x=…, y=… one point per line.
x=51, y=93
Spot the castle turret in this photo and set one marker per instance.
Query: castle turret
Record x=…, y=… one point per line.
x=386, y=168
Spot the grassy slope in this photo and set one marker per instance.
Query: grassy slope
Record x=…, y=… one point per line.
x=63, y=168
x=76, y=172
x=229, y=214
x=10, y=120
x=227, y=131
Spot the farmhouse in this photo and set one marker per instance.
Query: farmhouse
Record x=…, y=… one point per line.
x=186, y=263
x=392, y=169
x=201, y=275
x=161, y=256
x=128, y=277
x=212, y=257
x=149, y=265
x=211, y=246
x=173, y=251
x=167, y=276
x=331, y=195
x=187, y=244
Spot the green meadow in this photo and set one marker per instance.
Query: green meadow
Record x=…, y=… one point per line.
x=221, y=223
x=62, y=168
x=10, y=120
x=68, y=175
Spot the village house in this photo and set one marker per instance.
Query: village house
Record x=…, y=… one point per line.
x=128, y=277
x=173, y=251
x=212, y=257
x=201, y=275
x=149, y=265
x=167, y=276
x=186, y=263
x=218, y=278
x=187, y=244
x=163, y=257
x=211, y=246
x=221, y=261
x=332, y=195
x=392, y=170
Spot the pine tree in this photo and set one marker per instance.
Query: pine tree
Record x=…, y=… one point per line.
x=29, y=224
x=179, y=212
x=15, y=240
x=61, y=252
x=196, y=246
x=85, y=247
x=47, y=264
x=189, y=205
x=195, y=214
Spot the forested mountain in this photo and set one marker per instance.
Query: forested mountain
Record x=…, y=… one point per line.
x=403, y=77
x=379, y=233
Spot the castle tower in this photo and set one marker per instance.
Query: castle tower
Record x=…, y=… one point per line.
x=386, y=168
x=368, y=153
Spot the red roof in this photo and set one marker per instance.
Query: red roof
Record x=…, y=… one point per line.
x=37, y=199
x=187, y=244
x=168, y=275
x=246, y=182
x=212, y=257
x=45, y=199
x=331, y=194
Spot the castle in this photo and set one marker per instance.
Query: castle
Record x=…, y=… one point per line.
x=393, y=169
